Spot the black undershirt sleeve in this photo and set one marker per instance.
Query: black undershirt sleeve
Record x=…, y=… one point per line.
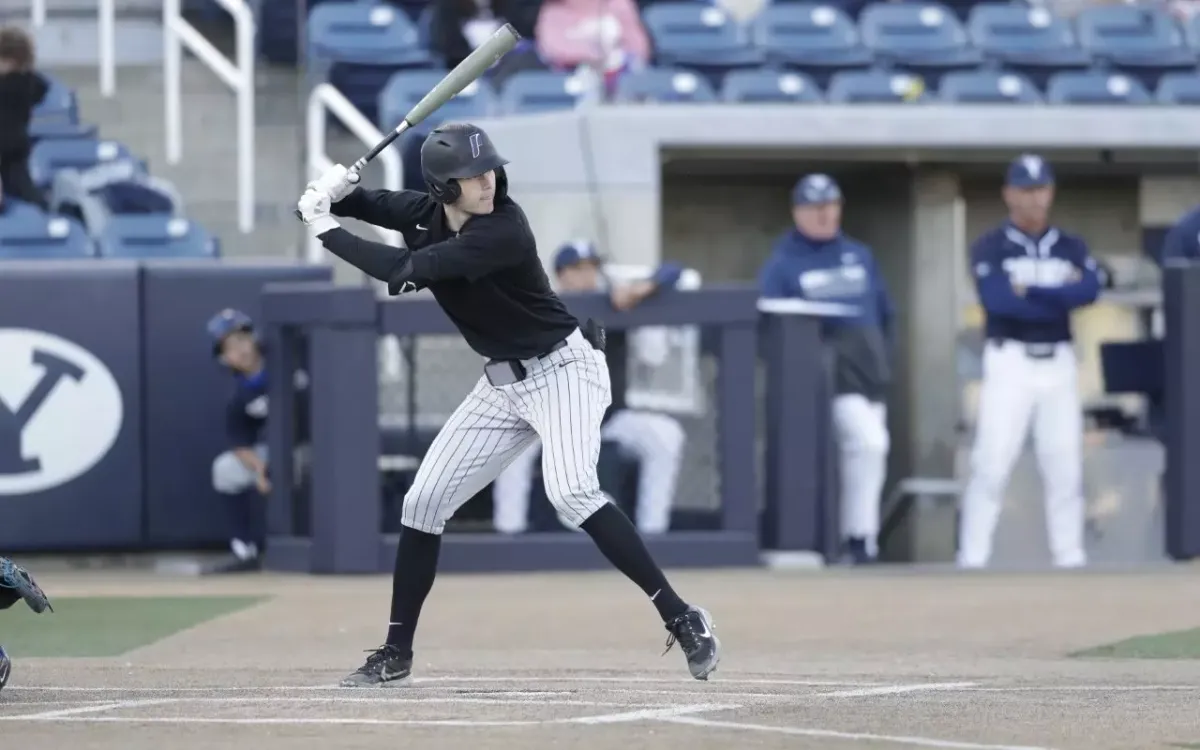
x=390, y=209
x=377, y=260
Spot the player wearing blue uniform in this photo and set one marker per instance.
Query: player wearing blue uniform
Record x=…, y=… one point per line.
x=815, y=261
x=1029, y=276
x=240, y=473
x=17, y=584
x=1183, y=240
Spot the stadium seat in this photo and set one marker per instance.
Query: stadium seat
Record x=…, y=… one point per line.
x=358, y=46
x=818, y=40
x=1096, y=87
x=49, y=156
x=988, y=87
x=665, y=86
x=531, y=91
x=119, y=187
x=407, y=87
x=700, y=37
x=1031, y=41
x=770, y=86
x=26, y=233
x=1179, y=88
x=278, y=23
x=59, y=104
x=50, y=129
x=155, y=236
x=1139, y=41
x=923, y=38
x=875, y=87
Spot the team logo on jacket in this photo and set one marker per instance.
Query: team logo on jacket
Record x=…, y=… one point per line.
x=60, y=411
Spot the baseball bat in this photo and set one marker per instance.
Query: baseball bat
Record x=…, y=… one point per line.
x=471, y=68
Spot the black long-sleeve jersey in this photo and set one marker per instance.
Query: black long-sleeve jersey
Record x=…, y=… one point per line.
x=487, y=276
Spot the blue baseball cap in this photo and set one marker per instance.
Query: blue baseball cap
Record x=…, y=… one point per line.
x=816, y=188
x=1029, y=171
x=575, y=252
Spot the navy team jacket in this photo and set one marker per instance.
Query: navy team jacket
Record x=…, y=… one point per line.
x=1058, y=274
x=840, y=271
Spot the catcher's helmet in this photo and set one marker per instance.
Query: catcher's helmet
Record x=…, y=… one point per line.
x=226, y=322
x=5, y=668
x=457, y=151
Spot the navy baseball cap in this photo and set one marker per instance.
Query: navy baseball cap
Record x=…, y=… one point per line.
x=575, y=252
x=816, y=188
x=1029, y=171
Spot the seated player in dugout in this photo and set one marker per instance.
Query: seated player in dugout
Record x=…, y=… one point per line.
x=241, y=472
x=815, y=261
x=655, y=441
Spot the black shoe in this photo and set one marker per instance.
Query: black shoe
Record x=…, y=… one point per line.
x=693, y=630
x=387, y=666
x=854, y=552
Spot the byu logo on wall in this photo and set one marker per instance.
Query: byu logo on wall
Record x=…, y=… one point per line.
x=60, y=411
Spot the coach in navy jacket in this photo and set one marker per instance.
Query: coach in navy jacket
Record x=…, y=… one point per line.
x=815, y=261
x=1029, y=275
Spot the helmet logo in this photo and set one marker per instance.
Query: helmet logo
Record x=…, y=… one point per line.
x=476, y=144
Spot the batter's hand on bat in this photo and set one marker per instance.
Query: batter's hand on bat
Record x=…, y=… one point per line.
x=337, y=182
x=313, y=208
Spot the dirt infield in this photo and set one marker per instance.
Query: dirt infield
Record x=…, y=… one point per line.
x=886, y=659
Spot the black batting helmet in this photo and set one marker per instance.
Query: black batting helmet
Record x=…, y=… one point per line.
x=457, y=151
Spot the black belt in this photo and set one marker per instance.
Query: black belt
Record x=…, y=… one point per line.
x=509, y=371
x=1033, y=350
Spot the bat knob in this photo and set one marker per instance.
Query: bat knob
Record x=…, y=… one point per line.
x=299, y=215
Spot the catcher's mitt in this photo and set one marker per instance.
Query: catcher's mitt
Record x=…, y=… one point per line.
x=16, y=583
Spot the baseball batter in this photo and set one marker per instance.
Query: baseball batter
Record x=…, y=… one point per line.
x=470, y=244
x=1029, y=276
x=654, y=440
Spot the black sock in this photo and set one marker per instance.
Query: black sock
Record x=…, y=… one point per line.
x=618, y=539
x=416, y=567
x=241, y=515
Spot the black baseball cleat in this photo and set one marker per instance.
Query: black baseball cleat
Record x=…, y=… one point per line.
x=387, y=666
x=693, y=631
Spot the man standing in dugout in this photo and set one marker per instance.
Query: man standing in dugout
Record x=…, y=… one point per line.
x=472, y=247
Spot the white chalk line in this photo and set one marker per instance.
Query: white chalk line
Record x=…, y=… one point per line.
x=625, y=717
x=78, y=711
x=896, y=689
x=834, y=735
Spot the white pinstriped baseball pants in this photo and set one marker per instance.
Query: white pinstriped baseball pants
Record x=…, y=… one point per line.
x=561, y=400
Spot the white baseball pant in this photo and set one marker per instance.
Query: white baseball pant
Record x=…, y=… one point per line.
x=230, y=476
x=655, y=441
x=1018, y=391
x=561, y=400
x=860, y=427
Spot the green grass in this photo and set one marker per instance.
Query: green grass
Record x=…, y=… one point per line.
x=1179, y=644
x=108, y=626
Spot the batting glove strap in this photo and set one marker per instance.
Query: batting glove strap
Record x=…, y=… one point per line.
x=322, y=224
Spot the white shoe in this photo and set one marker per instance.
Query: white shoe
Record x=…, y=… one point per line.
x=243, y=550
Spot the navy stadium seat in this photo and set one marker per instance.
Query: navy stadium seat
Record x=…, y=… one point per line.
x=1138, y=41
x=1096, y=87
x=49, y=156
x=770, y=86
x=923, y=38
x=988, y=87
x=815, y=39
x=700, y=37
x=26, y=233
x=665, y=86
x=407, y=87
x=357, y=47
x=278, y=23
x=155, y=236
x=1179, y=88
x=875, y=87
x=529, y=91
x=59, y=104
x=1032, y=41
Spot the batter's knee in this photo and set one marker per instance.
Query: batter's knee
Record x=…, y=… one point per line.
x=673, y=435
x=230, y=476
x=576, y=506
x=423, y=511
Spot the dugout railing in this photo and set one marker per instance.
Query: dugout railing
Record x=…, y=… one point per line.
x=335, y=525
